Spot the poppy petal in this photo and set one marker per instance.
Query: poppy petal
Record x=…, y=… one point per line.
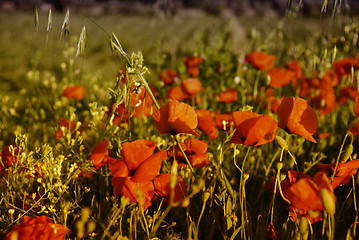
x=134, y=153
x=150, y=168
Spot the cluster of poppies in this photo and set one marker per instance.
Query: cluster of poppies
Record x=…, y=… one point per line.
x=138, y=174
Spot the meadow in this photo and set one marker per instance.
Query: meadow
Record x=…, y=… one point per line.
x=186, y=127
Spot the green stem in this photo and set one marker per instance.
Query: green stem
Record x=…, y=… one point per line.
x=183, y=153
x=340, y=152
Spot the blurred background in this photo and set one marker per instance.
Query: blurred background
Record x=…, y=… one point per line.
x=170, y=7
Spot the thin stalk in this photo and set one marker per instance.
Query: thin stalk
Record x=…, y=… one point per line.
x=183, y=153
x=242, y=195
x=340, y=152
x=199, y=219
x=356, y=209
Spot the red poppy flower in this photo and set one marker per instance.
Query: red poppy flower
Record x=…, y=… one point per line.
x=162, y=187
x=222, y=119
x=325, y=101
x=99, y=155
x=74, y=92
x=125, y=187
x=343, y=173
x=207, y=124
x=136, y=169
x=140, y=105
x=177, y=93
x=35, y=228
x=122, y=77
x=346, y=93
x=141, y=102
x=169, y=76
x=192, y=65
x=195, y=151
x=296, y=116
x=331, y=78
x=296, y=68
x=280, y=77
x=63, y=122
x=343, y=67
x=175, y=117
x=260, y=60
x=227, y=96
x=253, y=129
x=304, y=194
x=191, y=86
x=137, y=161
x=9, y=155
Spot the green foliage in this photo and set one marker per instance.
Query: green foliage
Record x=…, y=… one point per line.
x=226, y=199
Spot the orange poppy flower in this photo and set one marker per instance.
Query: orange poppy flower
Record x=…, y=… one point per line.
x=253, y=129
x=141, y=102
x=192, y=65
x=122, y=77
x=206, y=123
x=343, y=174
x=280, y=77
x=343, y=67
x=63, y=122
x=195, y=151
x=222, y=118
x=325, y=101
x=177, y=93
x=74, y=92
x=346, y=93
x=296, y=68
x=175, y=117
x=331, y=78
x=137, y=161
x=304, y=194
x=191, y=86
x=356, y=106
x=227, y=96
x=162, y=187
x=140, y=105
x=136, y=170
x=99, y=155
x=9, y=155
x=169, y=76
x=296, y=116
x=260, y=60
x=34, y=228
x=125, y=187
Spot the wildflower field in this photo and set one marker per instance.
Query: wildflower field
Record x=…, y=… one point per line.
x=196, y=137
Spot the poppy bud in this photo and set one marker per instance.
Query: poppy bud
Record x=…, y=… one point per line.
x=281, y=142
x=328, y=201
x=347, y=153
x=206, y=195
x=279, y=166
x=303, y=228
x=185, y=202
x=245, y=176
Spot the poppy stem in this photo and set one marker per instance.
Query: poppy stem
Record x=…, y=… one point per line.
x=183, y=153
x=356, y=209
x=340, y=152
